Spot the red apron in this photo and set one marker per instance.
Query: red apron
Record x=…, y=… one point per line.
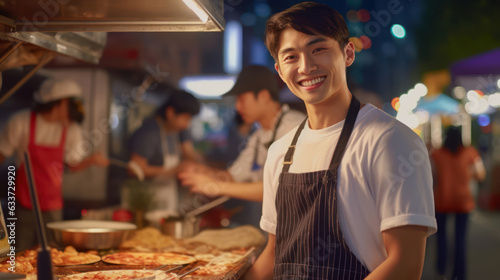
x=47, y=165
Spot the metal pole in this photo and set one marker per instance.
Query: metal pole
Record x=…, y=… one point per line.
x=10, y=51
x=46, y=58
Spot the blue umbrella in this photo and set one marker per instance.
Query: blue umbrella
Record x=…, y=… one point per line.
x=439, y=104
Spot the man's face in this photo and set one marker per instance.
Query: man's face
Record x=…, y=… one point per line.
x=249, y=107
x=63, y=108
x=178, y=122
x=313, y=66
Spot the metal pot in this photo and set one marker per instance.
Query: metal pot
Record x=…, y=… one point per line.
x=189, y=226
x=90, y=235
x=179, y=227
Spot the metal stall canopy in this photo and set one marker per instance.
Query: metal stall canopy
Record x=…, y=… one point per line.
x=114, y=15
x=33, y=31
x=77, y=27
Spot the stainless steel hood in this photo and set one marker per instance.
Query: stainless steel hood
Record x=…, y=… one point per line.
x=77, y=28
x=114, y=15
x=32, y=31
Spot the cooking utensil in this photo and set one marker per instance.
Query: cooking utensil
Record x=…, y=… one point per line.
x=189, y=272
x=44, y=260
x=168, y=270
x=131, y=165
x=89, y=234
x=179, y=227
x=207, y=206
x=189, y=226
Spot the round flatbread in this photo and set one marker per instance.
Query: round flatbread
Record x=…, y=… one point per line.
x=139, y=258
x=82, y=258
x=72, y=257
x=122, y=275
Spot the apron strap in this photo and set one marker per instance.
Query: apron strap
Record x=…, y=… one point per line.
x=352, y=114
x=345, y=134
x=291, y=150
x=268, y=144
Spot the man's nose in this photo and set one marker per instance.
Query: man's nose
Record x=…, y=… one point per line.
x=307, y=65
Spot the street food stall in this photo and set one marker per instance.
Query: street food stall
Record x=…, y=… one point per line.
x=33, y=33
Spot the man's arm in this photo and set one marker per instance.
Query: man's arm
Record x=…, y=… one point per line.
x=405, y=248
x=152, y=170
x=94, y=159
x=478, y=171
x=264, y=266
x=200, y=183
x=2, y=158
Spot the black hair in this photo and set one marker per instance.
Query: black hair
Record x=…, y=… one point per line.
x=182, y=102
x=453, y=141
x=44, y=107
x=307, y=17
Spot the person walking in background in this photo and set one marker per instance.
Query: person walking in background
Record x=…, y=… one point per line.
x=453, y=167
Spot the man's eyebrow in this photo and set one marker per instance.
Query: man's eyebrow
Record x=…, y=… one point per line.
x=286, y=50
x=317, y=40
x=312, y=42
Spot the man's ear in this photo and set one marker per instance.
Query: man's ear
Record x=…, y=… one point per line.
x=277, y=67
x=169, y=113
x=349, y=52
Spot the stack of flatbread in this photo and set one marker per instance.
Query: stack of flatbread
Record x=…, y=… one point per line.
x=149, y=239
x=230, y=239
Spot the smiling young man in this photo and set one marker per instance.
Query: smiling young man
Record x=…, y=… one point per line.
x=347, y=194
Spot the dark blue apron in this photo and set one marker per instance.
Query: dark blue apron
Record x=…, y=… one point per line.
x=309, y=241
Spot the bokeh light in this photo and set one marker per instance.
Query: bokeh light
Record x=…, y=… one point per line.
x=262, y=10
x=459, y=92
x=363, y=15
x=358, y=45
x=248, y=19
x=483, y=120
x=395, y=103
x=352, y=16
x=398, y=31
x=367, y=42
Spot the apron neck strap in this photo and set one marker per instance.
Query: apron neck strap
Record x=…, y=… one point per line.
x=345, y=134
x=352, y=114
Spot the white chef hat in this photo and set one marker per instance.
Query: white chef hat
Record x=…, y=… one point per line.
x=55, y=89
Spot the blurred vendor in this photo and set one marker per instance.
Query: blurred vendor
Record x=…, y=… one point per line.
x=52, y=135
x=161, y=142
x=257, y=100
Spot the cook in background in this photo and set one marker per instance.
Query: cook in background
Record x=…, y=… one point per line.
x=52, y=135
x=160, y=145
x=347, y=194
x=453, y=168
x=257, y=100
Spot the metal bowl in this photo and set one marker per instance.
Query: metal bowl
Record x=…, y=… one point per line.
x=90, y=235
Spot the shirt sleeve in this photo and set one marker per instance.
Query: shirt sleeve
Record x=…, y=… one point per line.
x=272, y=170
x=76, y=147
x=241, y=169
x=10, y=137
x=401, y=180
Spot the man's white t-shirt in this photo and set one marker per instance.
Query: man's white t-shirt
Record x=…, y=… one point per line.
x=14, y=137
x=384, y=182
x=241, y=168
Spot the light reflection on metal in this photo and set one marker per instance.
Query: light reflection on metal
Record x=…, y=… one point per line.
x=197, y=10
x=115, y=16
